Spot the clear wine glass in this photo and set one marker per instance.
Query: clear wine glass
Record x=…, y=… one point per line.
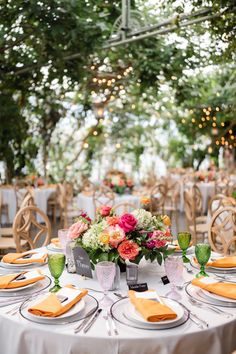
x=174, y=271
x=105, y=273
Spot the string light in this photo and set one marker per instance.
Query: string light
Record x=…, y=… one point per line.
x=214, y=124
x=118, y=145
x=214, y=118
x=86, y=145
x=200, y=126
x=217, y=109
x=217, y=142
x=222, y=124
x=193, y=120
x=230, y=131
x=95, y=133
x=183, y=120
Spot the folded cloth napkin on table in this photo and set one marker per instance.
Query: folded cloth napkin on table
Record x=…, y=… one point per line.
x=213, y=286
x=56, y=242
x=176, y=244
x=8, y=281
x=51, y=305
x=225, y=262
x=18, y=258
x=146, y=303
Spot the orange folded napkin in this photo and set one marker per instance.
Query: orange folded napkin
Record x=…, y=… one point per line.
x=17, y=258
x=213, y=286
x=51, y=305
x=56, y=242
x=176, y=244
x=149, y=308
x=9, y=282
x=225, y=262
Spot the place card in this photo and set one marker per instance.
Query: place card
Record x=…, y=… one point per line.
x=150, y=295
x=138, y=287
x=208, y=280
x=82, y=262
x=165, y=280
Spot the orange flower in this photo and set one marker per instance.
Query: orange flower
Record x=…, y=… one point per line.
x=145, y=200
x=128, y=250
x=112, y=220
x=166, y=220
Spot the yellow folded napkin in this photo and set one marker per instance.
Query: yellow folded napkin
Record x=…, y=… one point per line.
x=7, y=281
x=56, y=242
x=51, y=305
x=17, y=258
x=213, y=286
x=151, y=310
x=225, y=262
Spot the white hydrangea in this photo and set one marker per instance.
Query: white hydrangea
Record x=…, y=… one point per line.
x=91, y=237
x=144, y=218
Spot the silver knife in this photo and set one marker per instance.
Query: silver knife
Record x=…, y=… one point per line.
x=85, y=321
x=95, y=316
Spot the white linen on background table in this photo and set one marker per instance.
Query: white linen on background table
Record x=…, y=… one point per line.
x=86, y=204
x=19, y=336
x=207, y=190
x=41, y=196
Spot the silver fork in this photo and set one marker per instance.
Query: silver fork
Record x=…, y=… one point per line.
x=212, y=308
x=108, y=327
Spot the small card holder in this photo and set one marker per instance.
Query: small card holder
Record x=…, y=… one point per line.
x=165, y=280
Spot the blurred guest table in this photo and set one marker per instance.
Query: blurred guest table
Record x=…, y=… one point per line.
x=21, y=336
x=85, y=202
x=41, y=196
x=207, y=190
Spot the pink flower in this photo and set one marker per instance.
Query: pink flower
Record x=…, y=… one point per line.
x=128, y=250
x=117, y=235
x=85, y=216
x=128, y=222
x=104, y=210
x=160, y=243
x=77, y=229
x=112, y=220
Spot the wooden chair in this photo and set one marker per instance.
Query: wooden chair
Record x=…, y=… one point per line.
x=103, y=196
x=65, y=200
x=222, y=231
x=158, y=198
x=28, y=199
x=172, y=200
x=221, y=186
x=123, y=208
x=231, y=190
x=20, y=194
x=219, y=201
x=27, y=228
x=196, y=228
x=53, y=205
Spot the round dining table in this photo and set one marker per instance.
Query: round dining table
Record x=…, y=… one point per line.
x=21, y=336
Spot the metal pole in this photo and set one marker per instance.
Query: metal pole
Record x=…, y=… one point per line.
x=125, y=17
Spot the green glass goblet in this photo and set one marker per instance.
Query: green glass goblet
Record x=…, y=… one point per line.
x=203, y=253
x=184, y=239
x=56, y=265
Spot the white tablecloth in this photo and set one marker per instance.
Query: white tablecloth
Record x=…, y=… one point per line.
x=86, y=204
x=41, y=196
x=18, y=336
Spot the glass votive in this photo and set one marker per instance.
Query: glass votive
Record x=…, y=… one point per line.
x=131, y=274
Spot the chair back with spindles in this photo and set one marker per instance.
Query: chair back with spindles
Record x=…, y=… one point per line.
x=123, y=208
x=103, y=196
x=158, y=198
x=219, y=201
x=222, y=231
x=26, y=227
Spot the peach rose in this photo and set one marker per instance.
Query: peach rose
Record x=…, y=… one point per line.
x=77, y=229
x=112, y=220
x=128, y=250
x=117, y=235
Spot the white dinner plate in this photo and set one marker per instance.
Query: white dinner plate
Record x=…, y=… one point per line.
x=18, y=289
x=75, y=310
x=216, y=297
x=133, y=315
x=52, y=247
x=24, y=265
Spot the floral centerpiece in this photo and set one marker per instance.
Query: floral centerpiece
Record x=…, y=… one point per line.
x=130, y=236
x=206, y=176
x=119, y=184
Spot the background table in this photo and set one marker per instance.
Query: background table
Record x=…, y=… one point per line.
x=85, y=202
x=19, y=336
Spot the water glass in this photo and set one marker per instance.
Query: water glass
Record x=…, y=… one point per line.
x=56, y=264
x=131, y=274
x=203, y=253
x=174, y=272
x=63, y=237
x=105, y=272
x=184, y=239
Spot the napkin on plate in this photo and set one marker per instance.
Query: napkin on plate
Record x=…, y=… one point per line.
x=17, y=258
x=51, y=305
x=7, y=281
x=146, y=303
x=56, y=242
x=225, y=262
x=216, y=287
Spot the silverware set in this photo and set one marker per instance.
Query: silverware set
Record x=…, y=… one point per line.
x=210, y=307
x=196, y=319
